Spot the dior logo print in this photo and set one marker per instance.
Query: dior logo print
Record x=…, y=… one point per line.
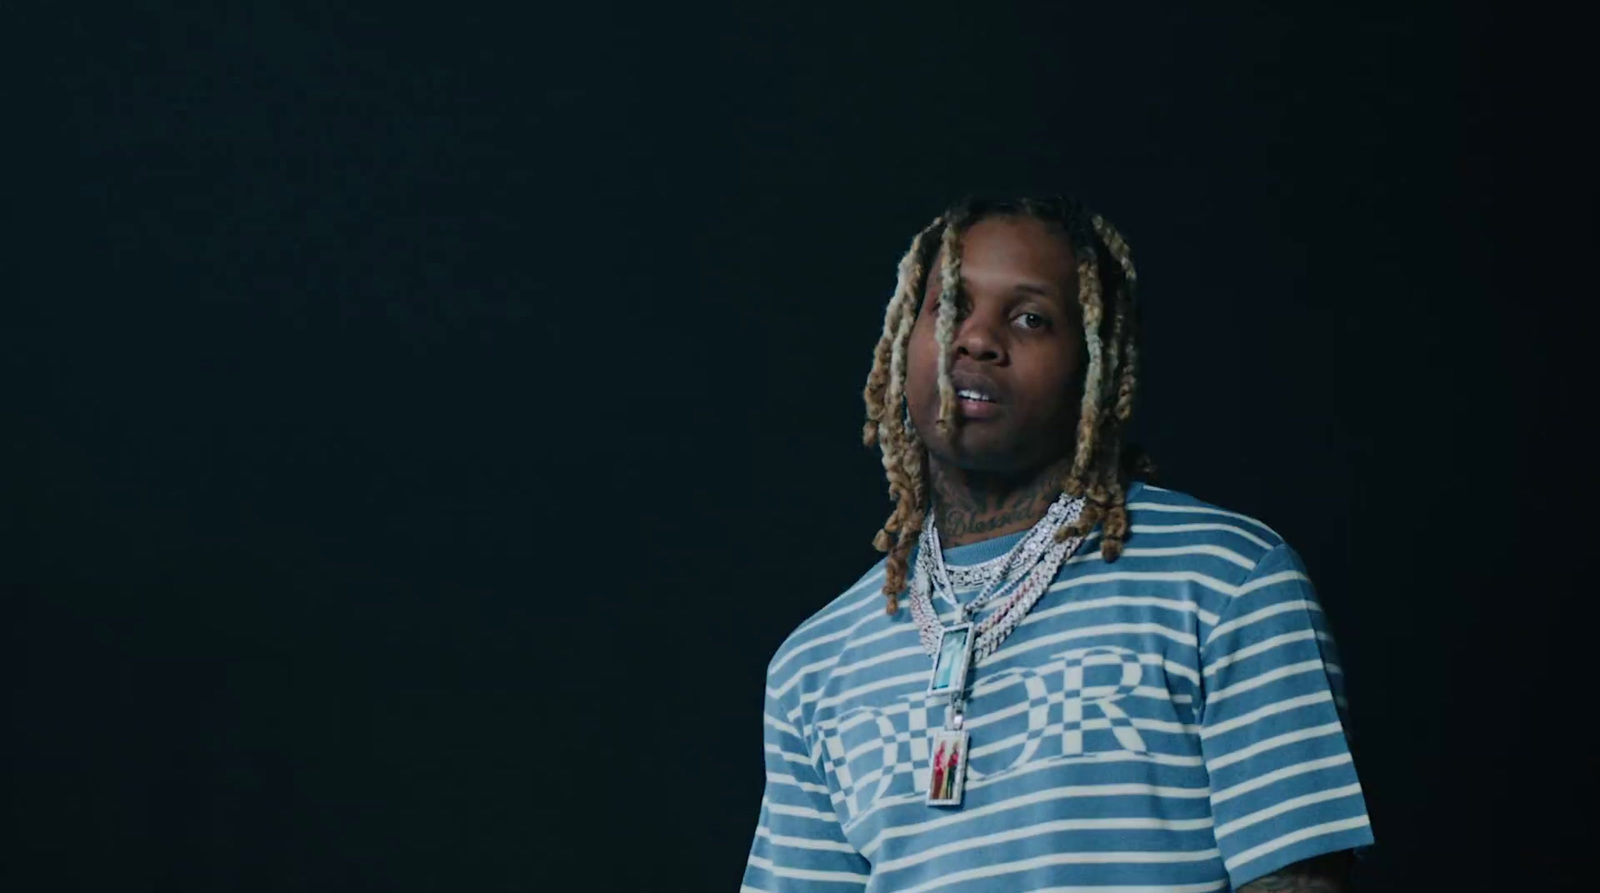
x=1082, y=702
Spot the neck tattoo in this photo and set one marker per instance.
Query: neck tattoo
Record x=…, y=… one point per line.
x=971, y=507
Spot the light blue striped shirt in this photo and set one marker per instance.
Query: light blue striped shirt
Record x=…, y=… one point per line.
x=1173, y=721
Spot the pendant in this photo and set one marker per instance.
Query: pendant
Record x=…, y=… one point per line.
x=948, y=746
x=947, y=780
x=950, y=660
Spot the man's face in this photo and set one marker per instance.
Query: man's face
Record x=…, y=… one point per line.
x=1018, y=343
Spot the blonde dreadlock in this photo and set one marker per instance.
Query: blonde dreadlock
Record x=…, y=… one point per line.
x=1101, y=462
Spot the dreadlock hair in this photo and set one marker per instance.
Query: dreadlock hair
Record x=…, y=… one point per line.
x=1102, y=464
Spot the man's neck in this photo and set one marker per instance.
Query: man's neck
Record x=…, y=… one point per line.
x=972, y=506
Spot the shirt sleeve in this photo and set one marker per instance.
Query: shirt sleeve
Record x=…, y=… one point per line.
x=1272, y=730
x=799, y=844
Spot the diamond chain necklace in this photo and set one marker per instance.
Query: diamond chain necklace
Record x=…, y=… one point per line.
x=1031, y=565
x=1033, y=561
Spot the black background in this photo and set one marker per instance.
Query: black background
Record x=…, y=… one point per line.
x=427, y=422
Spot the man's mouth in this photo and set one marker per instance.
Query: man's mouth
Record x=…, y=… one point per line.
x=977, y=395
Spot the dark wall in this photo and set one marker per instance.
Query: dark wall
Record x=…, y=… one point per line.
x=425, y=423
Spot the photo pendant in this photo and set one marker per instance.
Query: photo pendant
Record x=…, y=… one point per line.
x=948, y=769
x=951, y=659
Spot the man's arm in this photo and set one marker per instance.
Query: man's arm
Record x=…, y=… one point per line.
x=1284, y=791
x=1322, y=874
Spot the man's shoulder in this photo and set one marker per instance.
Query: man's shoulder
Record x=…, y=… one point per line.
x=828, y=629
x=1162, y=520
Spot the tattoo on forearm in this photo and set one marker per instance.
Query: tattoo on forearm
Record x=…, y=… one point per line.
x=1323, y=874
x=1279, y=882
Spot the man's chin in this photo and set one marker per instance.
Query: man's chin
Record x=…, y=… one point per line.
x=983, y=454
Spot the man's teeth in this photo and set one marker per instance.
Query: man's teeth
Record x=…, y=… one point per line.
x=973, y=395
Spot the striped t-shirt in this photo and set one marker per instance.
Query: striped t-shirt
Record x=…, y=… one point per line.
x=1173, y=721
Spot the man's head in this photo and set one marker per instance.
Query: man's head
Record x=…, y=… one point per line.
x=1015, y=354
x=1010, y=343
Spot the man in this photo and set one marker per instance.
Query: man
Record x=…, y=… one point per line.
x=1152, y=700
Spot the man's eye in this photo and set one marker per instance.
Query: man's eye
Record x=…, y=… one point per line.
x=1031, y=321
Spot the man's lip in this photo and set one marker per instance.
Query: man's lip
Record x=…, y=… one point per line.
x=969, y=381
x=977, y=409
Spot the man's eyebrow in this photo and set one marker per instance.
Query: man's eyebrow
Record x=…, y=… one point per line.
x=1031, y=288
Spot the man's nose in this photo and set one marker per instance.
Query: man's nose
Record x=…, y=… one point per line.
x=976, y=340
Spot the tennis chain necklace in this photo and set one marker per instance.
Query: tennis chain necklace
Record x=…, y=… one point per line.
x=1017, y=580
